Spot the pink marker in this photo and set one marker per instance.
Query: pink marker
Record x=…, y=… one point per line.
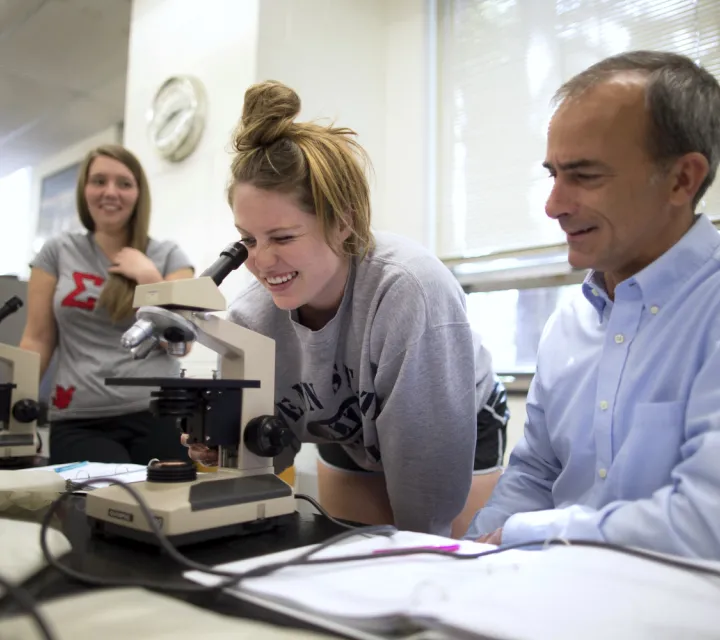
x=449, y=547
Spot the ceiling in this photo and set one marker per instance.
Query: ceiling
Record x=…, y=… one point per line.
x=62, y=74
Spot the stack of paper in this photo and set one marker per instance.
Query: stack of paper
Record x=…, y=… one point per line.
x=557, y=593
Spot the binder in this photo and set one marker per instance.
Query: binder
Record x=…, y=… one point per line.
x=127, y=473
x=563, y=593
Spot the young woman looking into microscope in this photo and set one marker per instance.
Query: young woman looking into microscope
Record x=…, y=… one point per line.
x=376, y=361
x=80, y=303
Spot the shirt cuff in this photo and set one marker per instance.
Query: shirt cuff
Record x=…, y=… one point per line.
x=538, y=526
x=527, y=527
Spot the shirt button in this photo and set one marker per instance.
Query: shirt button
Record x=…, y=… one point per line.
x=602, y=473
x=619, y=338
x=595, y=292
x=654, y=309
x=603, y=405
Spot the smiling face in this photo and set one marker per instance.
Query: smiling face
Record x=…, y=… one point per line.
x=611, y=199
x=287, y=251
x=111, y=193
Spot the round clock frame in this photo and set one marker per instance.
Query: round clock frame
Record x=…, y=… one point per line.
x=176, y=119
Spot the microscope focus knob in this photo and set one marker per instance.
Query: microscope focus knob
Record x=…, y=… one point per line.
x=267, y=436
x=26, y=410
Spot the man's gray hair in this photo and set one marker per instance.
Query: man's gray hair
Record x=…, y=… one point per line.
x=682, y=98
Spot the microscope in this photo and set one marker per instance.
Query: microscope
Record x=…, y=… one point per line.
x=231, y=411
x=19, y=403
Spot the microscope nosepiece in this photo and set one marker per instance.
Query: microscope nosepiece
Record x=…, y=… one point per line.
x=139, y=332
x=177, y=349
x=143, y=350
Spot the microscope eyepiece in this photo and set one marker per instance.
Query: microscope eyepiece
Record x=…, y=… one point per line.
x=231, y=257
x=14, y=303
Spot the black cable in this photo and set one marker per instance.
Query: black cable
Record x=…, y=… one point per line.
x=232, y=578
x=638, y=553
x=123, y=582
x=306, y=558
x=28, y=604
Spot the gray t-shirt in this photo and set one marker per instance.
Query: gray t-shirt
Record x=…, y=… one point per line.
x=396, y=378
x=88, y=348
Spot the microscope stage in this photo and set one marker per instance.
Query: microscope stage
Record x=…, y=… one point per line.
x=216, y=505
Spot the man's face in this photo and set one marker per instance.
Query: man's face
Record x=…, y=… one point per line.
x=609, y=197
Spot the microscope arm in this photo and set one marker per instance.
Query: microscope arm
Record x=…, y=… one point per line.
x=242, y=354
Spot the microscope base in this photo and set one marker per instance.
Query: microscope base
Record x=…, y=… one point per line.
x=14, y=446
x=216, y=505
x=18, y=450
x=109, y=530
x=19, y=462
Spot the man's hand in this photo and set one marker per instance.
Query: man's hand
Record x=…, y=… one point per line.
x=200, y=453
x=135, y=265
x=491, y=538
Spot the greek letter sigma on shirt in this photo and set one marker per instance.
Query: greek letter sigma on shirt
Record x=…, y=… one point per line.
x=88, y=343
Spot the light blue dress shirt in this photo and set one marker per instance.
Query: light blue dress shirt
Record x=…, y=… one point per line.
x=622, y=439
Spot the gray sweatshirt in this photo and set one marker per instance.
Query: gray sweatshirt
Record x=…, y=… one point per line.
x=396, y=378
x=88, y=345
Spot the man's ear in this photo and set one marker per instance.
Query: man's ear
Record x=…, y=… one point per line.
x=688, y=173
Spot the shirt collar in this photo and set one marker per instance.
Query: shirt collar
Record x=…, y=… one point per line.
x=593, y=289
x=664, y=277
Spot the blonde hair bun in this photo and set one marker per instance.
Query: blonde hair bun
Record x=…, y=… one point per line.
x=268, y=113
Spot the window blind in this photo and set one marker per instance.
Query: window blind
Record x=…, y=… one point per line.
x=499, y=64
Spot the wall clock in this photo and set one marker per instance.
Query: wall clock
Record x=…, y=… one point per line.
x=176, y=119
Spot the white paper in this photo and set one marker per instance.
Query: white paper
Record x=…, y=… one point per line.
x=558, y=593
x=102, y=469
x=125, y=478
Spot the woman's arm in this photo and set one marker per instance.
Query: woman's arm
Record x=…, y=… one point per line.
x=40, y=334
x=181, y=274
x=135, y=265
x=427, y=428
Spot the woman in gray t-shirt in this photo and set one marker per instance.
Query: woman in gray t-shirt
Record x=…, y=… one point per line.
x=79, y=304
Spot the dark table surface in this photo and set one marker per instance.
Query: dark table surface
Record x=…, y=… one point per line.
x=114, y=558
x=28, y=462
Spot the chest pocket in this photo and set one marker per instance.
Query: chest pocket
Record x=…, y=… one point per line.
x=651, y=449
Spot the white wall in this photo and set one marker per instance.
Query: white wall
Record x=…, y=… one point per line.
x=14, y=214
x=338, y=71
x=409, y=206
x=363, y=64
x=189, y=203
x=165, y=39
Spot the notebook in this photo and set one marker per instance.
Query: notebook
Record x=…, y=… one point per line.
x=558, y=593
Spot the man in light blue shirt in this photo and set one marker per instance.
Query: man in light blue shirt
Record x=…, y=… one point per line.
x=622, y=439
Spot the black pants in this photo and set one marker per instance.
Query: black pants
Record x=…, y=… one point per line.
x=133, y=437
x=492, y=422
